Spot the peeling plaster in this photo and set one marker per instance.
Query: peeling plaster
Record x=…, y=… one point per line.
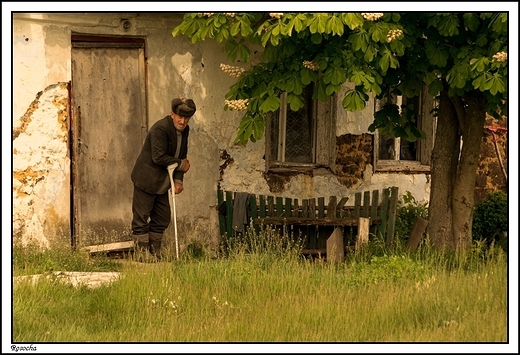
x=41, y=168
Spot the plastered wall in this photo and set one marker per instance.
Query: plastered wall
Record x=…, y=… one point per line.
x=175, y=67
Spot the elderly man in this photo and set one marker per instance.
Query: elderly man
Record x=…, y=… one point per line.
x=166, y=144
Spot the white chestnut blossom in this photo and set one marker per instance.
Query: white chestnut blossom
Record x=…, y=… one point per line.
x=311, y=65
x=232, y=70
x=393, y=34
x=372, y=16
x=500, y=57
x=237, y=105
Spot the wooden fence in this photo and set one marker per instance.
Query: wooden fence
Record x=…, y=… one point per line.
x=315, y=220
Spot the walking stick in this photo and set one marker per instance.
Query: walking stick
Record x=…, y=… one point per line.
x=171, y=168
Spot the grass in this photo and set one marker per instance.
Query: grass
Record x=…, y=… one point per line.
x=258, y=293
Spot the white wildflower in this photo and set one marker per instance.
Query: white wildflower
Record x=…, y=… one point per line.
x=450, y=323
x=230, y=14
x=372, y=16
x=208, y=14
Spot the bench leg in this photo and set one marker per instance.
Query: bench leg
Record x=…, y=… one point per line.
x=335, y=249
x=362, y=237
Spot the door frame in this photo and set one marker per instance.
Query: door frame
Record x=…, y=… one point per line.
x=93, y=41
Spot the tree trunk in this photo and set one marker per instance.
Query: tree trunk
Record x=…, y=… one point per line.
x=453, y=171
x=464, y=189
x=443, y=170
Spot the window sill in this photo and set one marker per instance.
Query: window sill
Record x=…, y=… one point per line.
x=304, y=169
x=410, y=167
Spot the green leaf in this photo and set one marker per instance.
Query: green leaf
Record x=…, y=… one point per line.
x=481, y=41
x=316, y=38
x=429, y=78
x=359, y=41
x=244, y=52
x=479, y=82
x=271, y=104
x=448, y=25
x=275, y=40
x=258, y=127
x=295, y=101
x=416, y=133
x=306, y=76
x=479, y=64
x=265, y=38
x=471, y=21
x=288, y=28
x=352, y=20
x=436, y=54
x=299, y=22
x=370, y=53
x=277, y=29
x=384, y=63
x=435, y=87
x=332, y=89
x=358, y=77
x=378, y=32
x=334, y=75
x=354, y=101
x=497, y=84
x=387, y=60
x=322, y=91
x=235, y=28
x=458, y=80
x=336, y=26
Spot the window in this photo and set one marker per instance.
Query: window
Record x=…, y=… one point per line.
x=303, y=139
x=397, y=154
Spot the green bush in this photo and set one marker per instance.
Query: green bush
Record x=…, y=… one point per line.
x=408, y=210
x=490, y=219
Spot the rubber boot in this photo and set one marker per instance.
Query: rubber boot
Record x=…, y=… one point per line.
x=155, y=245
x=142, y=246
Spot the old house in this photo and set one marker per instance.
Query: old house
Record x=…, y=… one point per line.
x=86, y=87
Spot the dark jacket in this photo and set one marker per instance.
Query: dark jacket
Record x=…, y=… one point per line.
x=150, y=170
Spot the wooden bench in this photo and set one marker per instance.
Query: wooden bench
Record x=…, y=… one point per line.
x=321, y=224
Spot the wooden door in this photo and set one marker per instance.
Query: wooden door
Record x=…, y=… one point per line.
x=108, y=129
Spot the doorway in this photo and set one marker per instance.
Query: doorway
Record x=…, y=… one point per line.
x=109, y=124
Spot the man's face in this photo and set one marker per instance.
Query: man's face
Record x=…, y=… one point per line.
x=180, y=122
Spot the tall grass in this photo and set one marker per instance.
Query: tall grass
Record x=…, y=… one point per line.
x=266, y=292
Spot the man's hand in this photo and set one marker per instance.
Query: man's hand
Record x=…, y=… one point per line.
x=185, y=165
x=178, y=188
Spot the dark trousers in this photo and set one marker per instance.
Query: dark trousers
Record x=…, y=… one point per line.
x=151, y=212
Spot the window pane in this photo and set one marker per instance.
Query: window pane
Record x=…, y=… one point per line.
x=408, y=150
x=386, y=147
x=273, y=138
x=299, y=136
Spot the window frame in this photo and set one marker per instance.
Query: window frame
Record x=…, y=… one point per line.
x=323, y=140
x=426, y=121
